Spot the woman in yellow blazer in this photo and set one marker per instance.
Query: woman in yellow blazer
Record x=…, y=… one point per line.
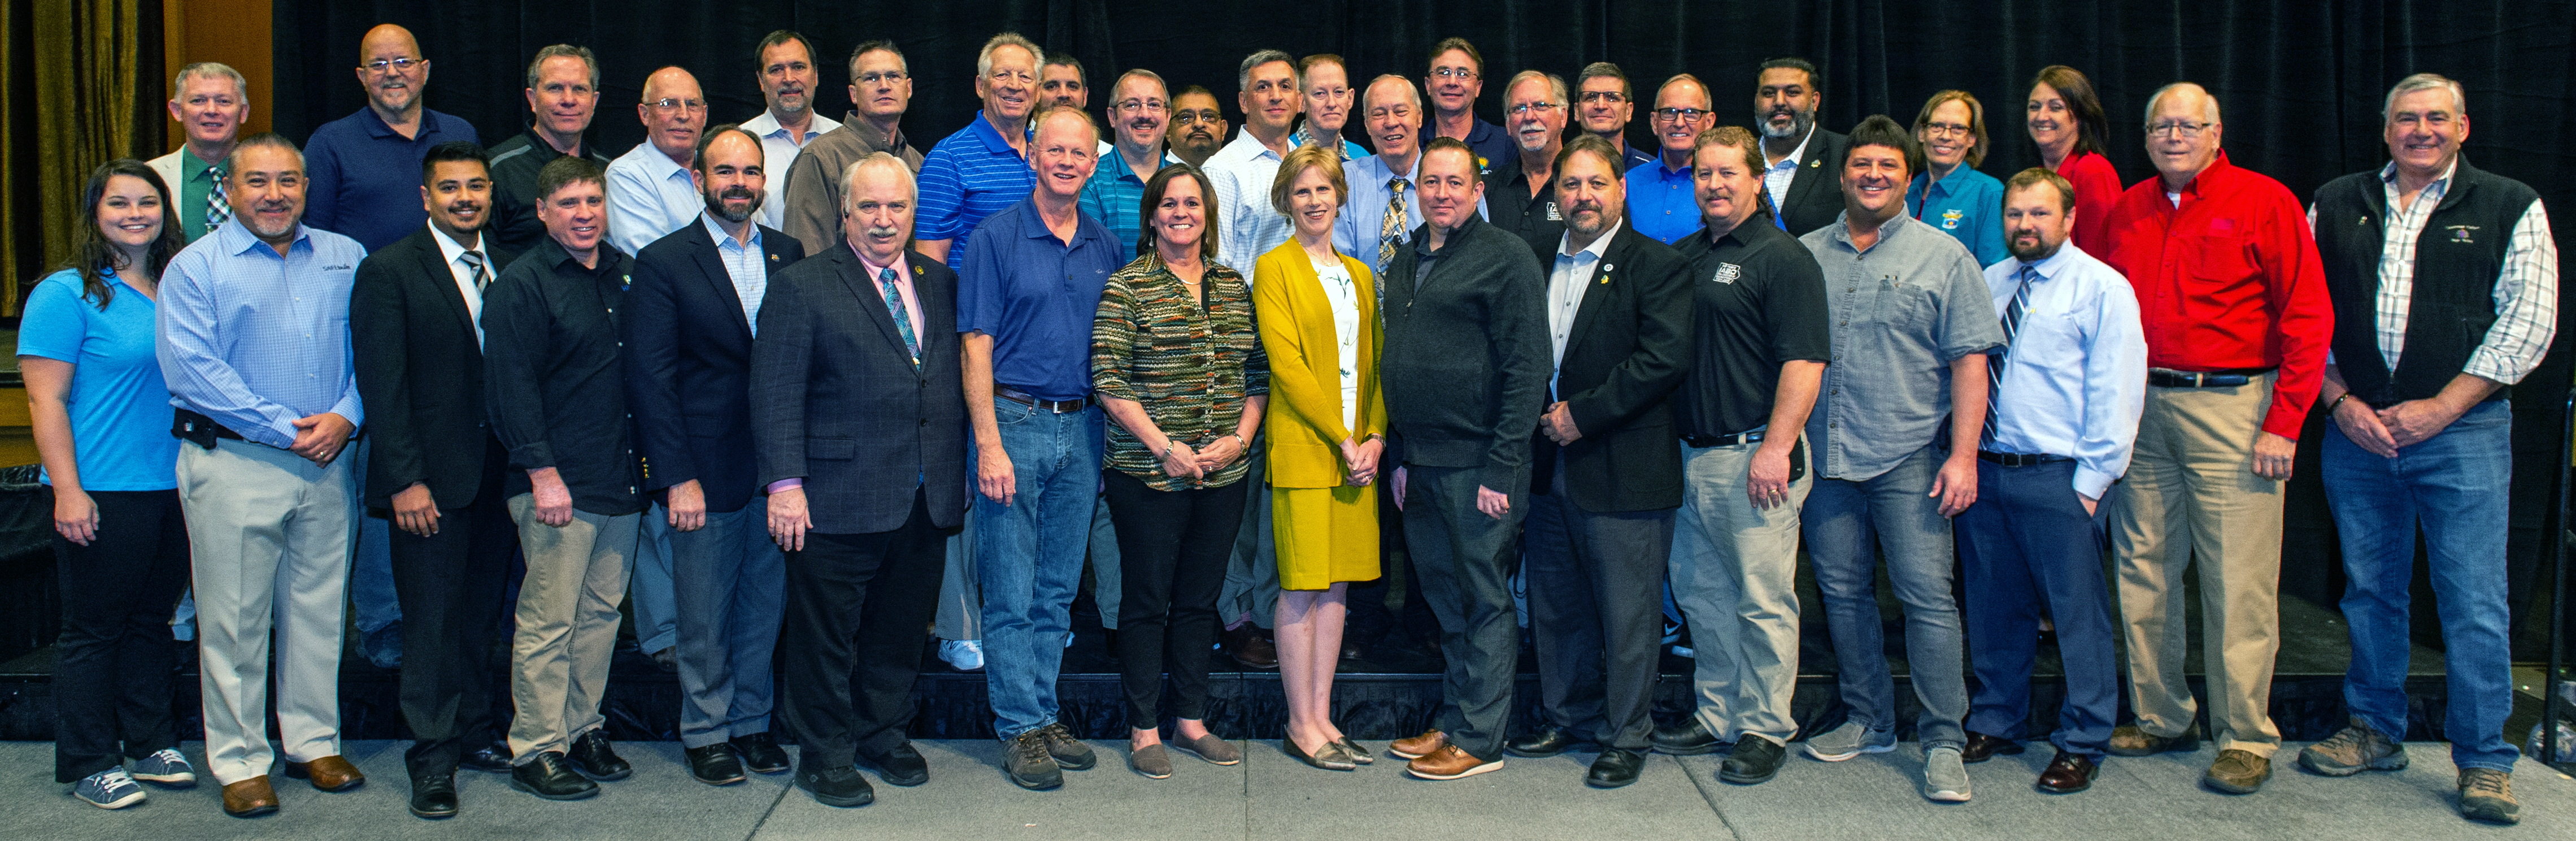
x=1317, y=311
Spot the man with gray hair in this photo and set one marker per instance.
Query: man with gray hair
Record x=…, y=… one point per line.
x=210, y=102
x=984, y=167
x=810, y=189
x=1248, y=227
x=1534, y=106
x=563, y=94
x=2422, y=428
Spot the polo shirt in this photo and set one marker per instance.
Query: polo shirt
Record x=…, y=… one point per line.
x=1968, y=205
x=515, y=164
x=256, y=338
x=119, y=406
x=778, y=150
x=1115, y=195
x=1247, y=226
x=649, y=196
x=1902, y=312
x=1662, y=202
x=1036, y=295
x=968, y=177
x=1535, y=218
x=554, y=376
x=362, y=180
x=1757, y=301
x=1631, y=157
x=1495, y=151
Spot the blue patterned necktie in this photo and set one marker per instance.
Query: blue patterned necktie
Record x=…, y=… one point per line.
x=1995, y=364
x=902, y=321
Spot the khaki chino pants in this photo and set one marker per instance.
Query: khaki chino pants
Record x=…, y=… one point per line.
x=567, y=624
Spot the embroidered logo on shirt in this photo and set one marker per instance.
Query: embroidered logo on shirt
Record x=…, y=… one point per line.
x=1950, y=218
x=1552, y=215
x=2460, y=234
x=1727, y=273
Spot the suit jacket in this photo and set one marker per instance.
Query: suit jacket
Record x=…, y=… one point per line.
x=420, y=372
x=688, y=363
x=1630, y=347
x=1305, y=414
x=838, y=401
x=169, y=168
x=1815, y=196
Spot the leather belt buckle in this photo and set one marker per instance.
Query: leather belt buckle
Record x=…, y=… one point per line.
x=1055, y=406
x=1707, y=441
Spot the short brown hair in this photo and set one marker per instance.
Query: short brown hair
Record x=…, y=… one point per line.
x=1589, y=144
x=1161, y=183
x=1475, y=164
x=1740, y=139
x=1300, y=159
x=1881, y=130
x=2035, y=176
x=1976, y=121
x=1459, y=44
x=780, y=37
x=569, y=169
x=1601, y=69
x=698, y=154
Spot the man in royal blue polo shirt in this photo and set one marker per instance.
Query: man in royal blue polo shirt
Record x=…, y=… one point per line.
x=984, y=167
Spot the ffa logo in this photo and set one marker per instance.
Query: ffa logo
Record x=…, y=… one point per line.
x=1483, y=165
x=2460, y=234
x=1552, y=215
x=916, y=271
x=1727, y=273
x=1950, y=218
x=1605, y=273
x=1818, y=163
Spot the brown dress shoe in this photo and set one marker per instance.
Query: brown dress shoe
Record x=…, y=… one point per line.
x=1418, y=747
x=1250, y=647
x=1982, y=747
x=1450, y=763
x=2132, y=740
x=2238, y=772
x=2068, y=773
x=250, y=798
x=329, y=773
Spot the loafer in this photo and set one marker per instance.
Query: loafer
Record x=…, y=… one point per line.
x=1450, y=762
x=1614, y=768
x=1070, y=753
x=1352, y=749
x=2132, y=740
x=329, y=773
x=1548, y=741
x=900, y=765
x=1752, y=761
x=250, y=798
x=1945, y=778
x=1982, y=747
x=2067, y=774
x=1214, y=750
x=1152, y=761
x=1689, y=738
x=591, y=756
x=1420, y=746
x=1329, y=757
x=494, y=758
x=840, y=786
x=715, y=764
x=433, y=796
x=1026, y=761
x=2237, y=772
x=760, y=753
x=549, y=776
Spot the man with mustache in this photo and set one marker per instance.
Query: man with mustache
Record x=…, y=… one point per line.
x=984, y=167
x=784, y=64
x=1662, y=202
x=810, y=189
x=1139, y=111
x=563, y=94
x=255, y=345
x=1246, y=226
x=1799, y=157
x=1455, y=78
x=1605, y=474
x=210, y=101
x=1604, y=102
x=690, y=321
x=1534, y=105
x=1198, y=126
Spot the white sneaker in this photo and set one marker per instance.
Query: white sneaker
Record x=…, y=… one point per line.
x=963, y=655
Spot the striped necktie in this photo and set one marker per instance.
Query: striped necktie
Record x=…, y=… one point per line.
x=902, y=320
x=1995, y=364
x=1391, y=233
x=474, y=261
x=219, y=208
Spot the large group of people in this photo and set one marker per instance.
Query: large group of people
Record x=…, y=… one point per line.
x=693, y=375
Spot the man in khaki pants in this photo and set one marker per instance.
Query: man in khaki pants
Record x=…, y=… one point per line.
x=2237, y=320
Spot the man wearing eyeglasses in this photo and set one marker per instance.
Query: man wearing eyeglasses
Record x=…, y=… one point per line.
x=1661, y=200
x=1198, y=126
x=880, y=90
x=1604, y=102
x=783, y=64
x=1138, y=111
x=1456, y=78
x=1525, y=204
x=2237, y=317
x=1799, y=157
x=984, y=167
x=649, y=191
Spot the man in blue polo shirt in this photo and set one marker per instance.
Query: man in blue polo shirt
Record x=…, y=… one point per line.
x=1139, y=110
x=1025, y=301
x=983, y=168
x=1662, y=201
x=365, y=168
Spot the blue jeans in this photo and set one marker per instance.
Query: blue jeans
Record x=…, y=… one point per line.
x=2455, y=485
x=1841, y=518
x=1028, y=556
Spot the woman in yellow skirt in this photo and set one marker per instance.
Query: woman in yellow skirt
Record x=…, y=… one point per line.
x=1317, y=311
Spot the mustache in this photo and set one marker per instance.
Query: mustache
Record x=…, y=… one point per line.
x=884, y=231
x=737, y=192
x=466, y=206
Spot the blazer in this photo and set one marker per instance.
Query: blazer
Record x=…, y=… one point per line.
x=1815, y=196
x=169, y=167
x=1305, y=412
x=419, y=372
x=688, y=363
x=838, y=402
x=1630, y=347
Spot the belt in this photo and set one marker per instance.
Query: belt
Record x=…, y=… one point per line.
x=198, y=429
x=2161, y=378
x=1057, y=406
x=2020, y=460
x=1706, y=441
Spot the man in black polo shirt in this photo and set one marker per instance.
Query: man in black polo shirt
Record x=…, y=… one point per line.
x=1758, y=311
x=563, y=94
x=1524, y=201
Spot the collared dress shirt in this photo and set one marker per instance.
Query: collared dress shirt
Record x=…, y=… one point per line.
x=1350, y=151
x=1777, y=177
x=257, y=339
x=554, y=376
x=454, y=253
x=2526, y=299
x=778, y=151
x=1661, y=201
x=1968, y=205
x=745, y=264
x=967, y=178
x=362, y=179
x=1190, y=363
x=1114, y=196
x=1036, y=295
x=649, y=196
x=1902, y=312
x=1363, y=218
x=1247, y=226
x=1569, y=275
x=2075, y=378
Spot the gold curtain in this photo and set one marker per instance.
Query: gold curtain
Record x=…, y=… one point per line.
x=85, y=66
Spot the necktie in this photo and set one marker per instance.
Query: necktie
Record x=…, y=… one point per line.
x=219, y=209
x=902, y=321
x=1391, y=233
x=1995, y=364
x=474, y=262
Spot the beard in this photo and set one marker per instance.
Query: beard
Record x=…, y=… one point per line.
x=1799, y=122
x=251, y=221
x=2038, y=250
x=716, y=203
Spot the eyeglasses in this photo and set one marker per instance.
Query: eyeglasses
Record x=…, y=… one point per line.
x=1945, y=130
x=2186, y=129
x=880, y=77
x=670, y=104
x=1612, y=97
x=1460, y=73
x=1680, y=115
x=1183, y=118
x=398, y=65
x=1526, y=107
x=1141, y=106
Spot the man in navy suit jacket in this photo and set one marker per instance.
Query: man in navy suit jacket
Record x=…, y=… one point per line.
x=691, y=315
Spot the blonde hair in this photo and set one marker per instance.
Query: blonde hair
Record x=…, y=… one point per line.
x=1299, y=160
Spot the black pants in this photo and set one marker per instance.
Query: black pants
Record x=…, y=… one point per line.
x=1596, y=583
x=858, y=611
x=112, y=686
x=1172, y=549
x=1466, y=560
x=453, y=588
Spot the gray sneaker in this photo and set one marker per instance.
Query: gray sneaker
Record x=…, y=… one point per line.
x=1850, y=740
x=166, y=767
x=1945, y=776
x=109, y=789
x=2486, y=794
x=2356, y=748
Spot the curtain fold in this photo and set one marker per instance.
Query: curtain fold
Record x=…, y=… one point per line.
x=84, y=74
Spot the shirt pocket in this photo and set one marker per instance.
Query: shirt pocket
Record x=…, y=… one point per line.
x=2223, y=258
x=1905, y=308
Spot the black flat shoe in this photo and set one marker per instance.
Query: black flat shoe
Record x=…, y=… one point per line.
x=1614, y=768
x=715, y=764
x=1548, y=741
x=433, y=796
x=592, y=757
x=901, y=766
x=760, y=753
x=842, y=786
x=550, y=777
x=1689, y=738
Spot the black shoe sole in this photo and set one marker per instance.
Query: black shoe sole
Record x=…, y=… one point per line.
x=1733, y=778
x=852, y=802
x=766, y=769
x=737, y=778
x=1597, y=782
x=593, y=791
x=1035, y=785
x=1964, y=758
x=907, y=780
x=604, y=778
x=1576, y=747
x=2087, y=786
x=432, y=815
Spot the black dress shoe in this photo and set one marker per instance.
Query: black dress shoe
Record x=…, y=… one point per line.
x=1548, y=741
x=761, y=753
x=2068, y=773
x=494, y=758
x=1614, y=768
x=433, y=796
x=714, y=764
x=592, y=757
x=550, y=777
x=900, y=766
x=1689, y=738
x=1982, y=747
x=841, y=786
x=1753, y=760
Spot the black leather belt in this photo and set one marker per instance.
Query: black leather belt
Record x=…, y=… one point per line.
x=2020, y=460
x=1057, y=406
x=1706, y=441
x=198, y=429
x=2203, y=379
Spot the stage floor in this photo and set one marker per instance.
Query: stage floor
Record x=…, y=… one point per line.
x=1272, y=796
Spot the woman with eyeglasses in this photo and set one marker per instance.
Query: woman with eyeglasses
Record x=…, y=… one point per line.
x=2065, y=120
x=1951, y=194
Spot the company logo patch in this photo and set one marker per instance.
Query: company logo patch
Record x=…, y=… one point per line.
x=2461, y=234
x=1727, y=273
x=1950, y=218
x=1552, y=214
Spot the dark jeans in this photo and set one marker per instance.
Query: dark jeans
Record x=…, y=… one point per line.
x=1172, y=548
x=112, y=686
x=1466, y=560
x=453, y=587
x=858, y=609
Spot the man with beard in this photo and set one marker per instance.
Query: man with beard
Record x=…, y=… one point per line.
x=1662, y=197
x=1604, y=102
x=1799, y=158
x=690, y=320
x=1198, y=126
x=563, y=94
x=1246, y=226
x=810, y=189
x=1525, y=204
x=1455, y=78
x=784, y=64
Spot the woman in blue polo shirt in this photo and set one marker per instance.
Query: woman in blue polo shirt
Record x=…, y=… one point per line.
x=1951, y=194
x=102, y=423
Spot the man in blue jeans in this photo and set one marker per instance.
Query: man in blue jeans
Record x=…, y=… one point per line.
x=1027, y=290
x=2424, y=431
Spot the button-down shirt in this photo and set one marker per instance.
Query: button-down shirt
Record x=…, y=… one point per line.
x=118, y=404
x=1363, y=218
x=553, y=374
x=1247, y=226
x=649, y=196
x=255, y=338
x=1568, y=277
x=1757, y=301
x=1968, y=205
x=463, y=272
x=1189, y=363
x=809, y=190
x=2229, y=281
x=362, y=179
x=744, y=264
x=967, y=178
x=2525, y=296
x=2075, y=378
x=1114, y=196
x=1036, y=295
x=778, y=150
x=1777, y=177
x=1902, y=312
x=1661, y=202
x=1350, y=151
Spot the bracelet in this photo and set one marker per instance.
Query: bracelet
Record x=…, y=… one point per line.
x=2338, y=401
x=1239, y=440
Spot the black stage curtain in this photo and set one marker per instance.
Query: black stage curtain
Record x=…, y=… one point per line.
x=2300, y=82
